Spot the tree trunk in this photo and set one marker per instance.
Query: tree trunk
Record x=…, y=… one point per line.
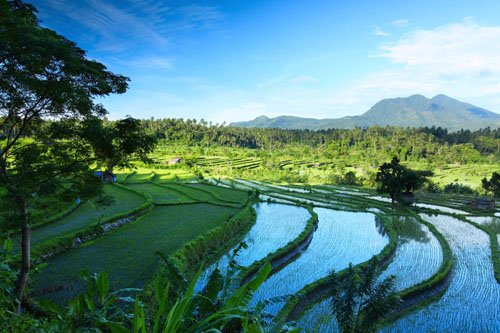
x=25, y=256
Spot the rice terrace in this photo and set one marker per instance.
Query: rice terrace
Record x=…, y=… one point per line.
x=127, y=216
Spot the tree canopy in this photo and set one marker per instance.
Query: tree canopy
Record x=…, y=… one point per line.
x=493, y=184
x=113, y=143
x=43, y=75
x=394, y=178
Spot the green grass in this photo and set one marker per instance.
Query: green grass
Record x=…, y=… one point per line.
x=196, y=194
x=226, y=194
x=87, y=214
x=470, y=174
x=127, y=253
x=161, y=195
x=140, y=176
x=171, y=174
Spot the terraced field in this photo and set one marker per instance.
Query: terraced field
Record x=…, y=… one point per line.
x=417, y=258
x=162, y=195
x=338, y=232
x=128, y=253
x=353, y=225
x=286, y=221
x=472, y=299
x=87, y=214
x=181, y=213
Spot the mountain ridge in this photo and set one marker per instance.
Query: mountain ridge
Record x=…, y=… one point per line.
x=413, y=111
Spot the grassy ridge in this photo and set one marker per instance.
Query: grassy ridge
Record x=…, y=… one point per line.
x=224, y=194
x=210, y=246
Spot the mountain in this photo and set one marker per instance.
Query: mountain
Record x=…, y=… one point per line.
x=413, y=111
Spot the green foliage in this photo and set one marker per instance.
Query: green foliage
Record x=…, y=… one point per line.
x=457, y=188
x=493, y=184
x=8, y=277
x=44, y=76
x=349, y=178
x=432, y=187
x=97, y=307
x=116, y=142
x=360, y=300
x=393, y=178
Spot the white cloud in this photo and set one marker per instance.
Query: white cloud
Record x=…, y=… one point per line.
x=460, y=60
x=303, y=79
x=158, y=63
x=377, y=31
x=400, y=23
x=457, y=49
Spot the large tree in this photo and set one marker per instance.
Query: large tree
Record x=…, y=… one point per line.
x=394, y=178
x=115, y=142
x=43, y=75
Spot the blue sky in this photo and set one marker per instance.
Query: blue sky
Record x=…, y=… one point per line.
x=235, y=60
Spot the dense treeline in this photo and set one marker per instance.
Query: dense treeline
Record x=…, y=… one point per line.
x=410, y=144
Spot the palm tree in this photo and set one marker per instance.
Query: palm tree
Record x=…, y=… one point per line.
x=361, y=300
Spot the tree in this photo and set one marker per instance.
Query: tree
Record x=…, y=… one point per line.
x=115, y=142
x=492, y=184
x=43, y=75
x=360, y=300
x=393, y=178
x=390, y=179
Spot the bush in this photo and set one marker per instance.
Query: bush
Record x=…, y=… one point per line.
x=432, y=187
x=349, y=178
x=457, y=188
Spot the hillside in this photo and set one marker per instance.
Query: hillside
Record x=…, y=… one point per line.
x=413, y=111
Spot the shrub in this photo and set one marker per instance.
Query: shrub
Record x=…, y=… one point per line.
x=457, y=188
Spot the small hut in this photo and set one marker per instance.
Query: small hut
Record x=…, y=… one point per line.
x=482, y=203
x=106, y=176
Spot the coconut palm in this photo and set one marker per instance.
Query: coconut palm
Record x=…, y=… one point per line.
x=361, y=300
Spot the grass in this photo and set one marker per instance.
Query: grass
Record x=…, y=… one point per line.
x=225, y=194
x=127, y=253
x=171, y=174
x=161, y=195
x=469, y=174
x=87, y=214
x=140, y=176
x=197, y=194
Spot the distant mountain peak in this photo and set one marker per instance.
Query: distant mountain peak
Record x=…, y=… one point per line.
x=413, y=111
